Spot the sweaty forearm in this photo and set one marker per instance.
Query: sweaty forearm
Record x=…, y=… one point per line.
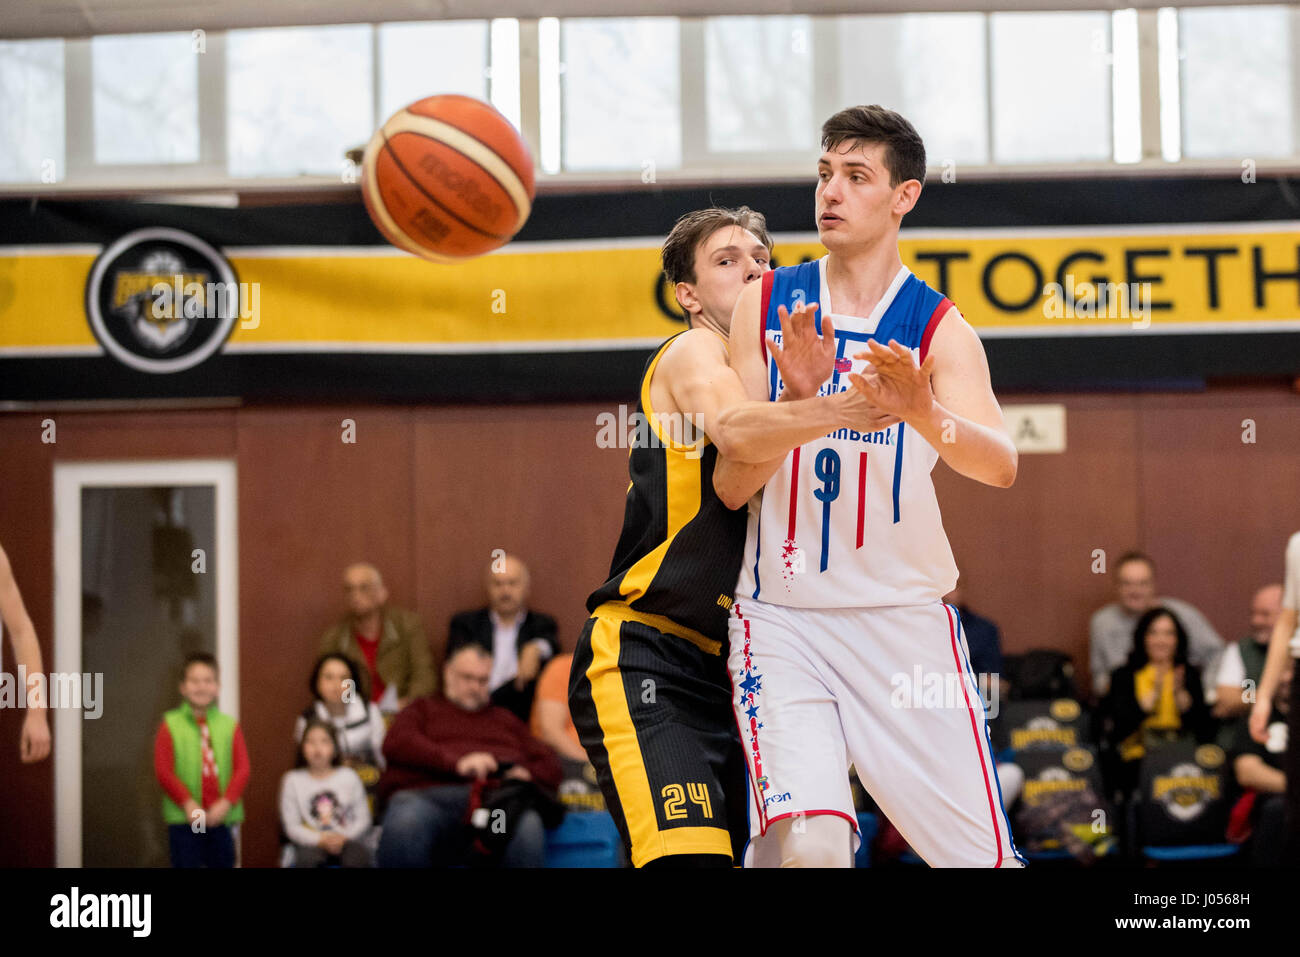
x=970, y=449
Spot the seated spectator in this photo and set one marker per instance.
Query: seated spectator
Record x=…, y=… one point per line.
x=358, y=725
x=389, y=642
x=1259, y=815
x=1242, y=663
x=1156, y=693
x=1111, y=627
x=551, y=722
x=519, y=640
x=450, y=755
x=323, y=806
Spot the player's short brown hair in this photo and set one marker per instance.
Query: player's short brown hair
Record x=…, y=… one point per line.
x=678, y=253
x=904, y=150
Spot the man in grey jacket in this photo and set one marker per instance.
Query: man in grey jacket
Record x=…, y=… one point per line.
x=1111, y=628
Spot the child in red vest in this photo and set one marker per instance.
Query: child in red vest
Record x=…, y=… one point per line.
x=202, y=765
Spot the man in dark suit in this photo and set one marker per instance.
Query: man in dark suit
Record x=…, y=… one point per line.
x=520, y=641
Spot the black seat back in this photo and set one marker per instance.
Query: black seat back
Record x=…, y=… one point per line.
x=1183, y=794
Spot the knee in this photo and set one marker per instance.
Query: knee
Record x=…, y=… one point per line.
x=823, y=840
x=527, y=846
x=355, y=854
x=305, y=855
x=406, y=812
x=529, y=831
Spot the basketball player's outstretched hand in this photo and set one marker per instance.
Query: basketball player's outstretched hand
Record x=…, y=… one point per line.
x=893, y=380
x=34, y=744
x=804, y=359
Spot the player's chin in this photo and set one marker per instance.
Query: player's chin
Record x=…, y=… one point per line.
x=835, y=235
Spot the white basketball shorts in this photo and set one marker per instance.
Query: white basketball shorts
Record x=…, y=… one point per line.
x=887, y=689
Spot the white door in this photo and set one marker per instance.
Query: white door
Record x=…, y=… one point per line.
x=145, y=571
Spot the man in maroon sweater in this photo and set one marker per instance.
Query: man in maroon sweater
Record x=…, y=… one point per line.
x=436, y=749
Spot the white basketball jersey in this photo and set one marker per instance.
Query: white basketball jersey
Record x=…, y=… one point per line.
x=850, y=520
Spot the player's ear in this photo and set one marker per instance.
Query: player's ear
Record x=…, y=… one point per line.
x=909, y=191
x=686, y=298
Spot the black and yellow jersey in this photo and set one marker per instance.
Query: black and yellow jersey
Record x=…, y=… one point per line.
x=679, y=555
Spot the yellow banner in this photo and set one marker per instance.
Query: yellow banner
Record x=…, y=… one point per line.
x=601, y=294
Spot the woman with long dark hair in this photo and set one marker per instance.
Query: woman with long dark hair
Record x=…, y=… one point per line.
x=1155, y=694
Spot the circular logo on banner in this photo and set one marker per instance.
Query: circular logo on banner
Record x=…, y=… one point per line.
x=1210, y=756
x=1064, y=709
x=161, y=300
x=1077, y=759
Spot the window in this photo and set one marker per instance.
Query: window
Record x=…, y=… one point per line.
x=716, y=99
x=759, y=79
x=297, y=99
x=892, y=60
x=423, y=59
x=32, y=144
x=621, y=94
x=1051, y=87
x=145, y=103
x=1237, y=82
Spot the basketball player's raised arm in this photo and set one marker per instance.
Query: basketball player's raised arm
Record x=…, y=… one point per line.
x=948, y=400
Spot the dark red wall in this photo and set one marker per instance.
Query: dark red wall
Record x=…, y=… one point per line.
x=426, y=493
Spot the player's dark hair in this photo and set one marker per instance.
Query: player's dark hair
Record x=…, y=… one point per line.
x=1134, y=556
x=334, y=740
x=678, y=253
x=199, y=658
x=904, y=151
x=1138, y=657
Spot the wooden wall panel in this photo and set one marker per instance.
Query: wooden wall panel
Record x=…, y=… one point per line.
x=309, y=505
x=530, y=480
x=1216, y=512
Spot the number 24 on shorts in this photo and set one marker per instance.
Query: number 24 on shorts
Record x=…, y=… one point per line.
x=675, y=799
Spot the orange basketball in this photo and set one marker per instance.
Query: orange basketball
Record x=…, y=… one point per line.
x=448, y=178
